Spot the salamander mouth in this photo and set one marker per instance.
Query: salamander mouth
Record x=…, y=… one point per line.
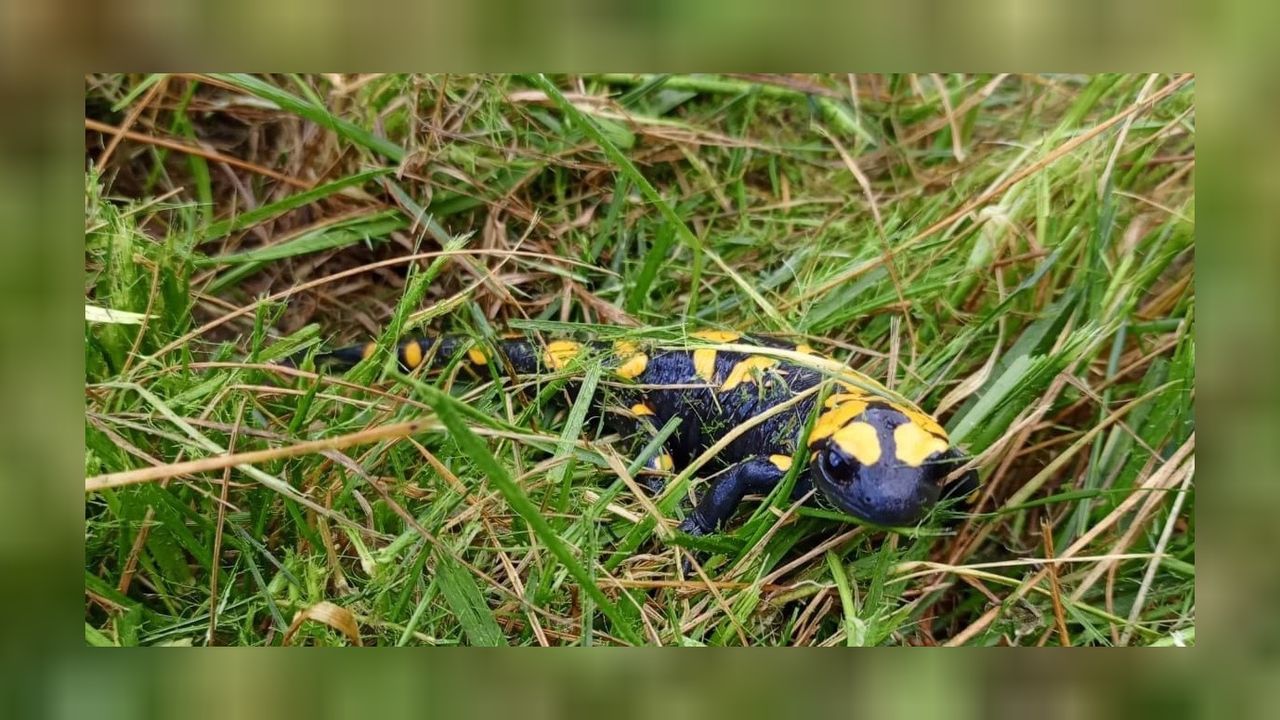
x=842, y=495
x=853, y=498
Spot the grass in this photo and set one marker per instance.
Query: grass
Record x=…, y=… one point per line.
x=1016, y=252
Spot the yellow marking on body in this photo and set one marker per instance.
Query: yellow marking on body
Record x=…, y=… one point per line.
x=704, y=364
x=367, y=351
x=782, y=462
x=859, y=440
x=834, y=419
x=720, y=336
x=852, y=389
x=842, y=398
x=805, y=350
x=745, y=371
x=633, y=367
x=662, y=462
x=641, y=409
x=411, y=353
x=477, y=356
x=633, y=363
x=915, y=444
x=560, y=352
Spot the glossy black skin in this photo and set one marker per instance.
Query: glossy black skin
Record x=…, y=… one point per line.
x=887, y=493
x=890, y=494
x=708, y=414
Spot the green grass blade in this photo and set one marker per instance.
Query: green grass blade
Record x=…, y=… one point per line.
x=474, y=447
x=651, y=194
x=467, y=602
x=266, y=212
x=315, y=113
x=375, y=226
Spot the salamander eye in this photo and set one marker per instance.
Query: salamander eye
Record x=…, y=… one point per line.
x=839, y=467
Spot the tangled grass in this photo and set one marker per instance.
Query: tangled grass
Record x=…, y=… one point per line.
x=1016, y=252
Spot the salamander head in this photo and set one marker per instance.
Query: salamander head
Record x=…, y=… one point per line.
x=882, y=463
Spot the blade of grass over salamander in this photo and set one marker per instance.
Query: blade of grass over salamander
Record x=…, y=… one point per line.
x=572, y=431
x=448, y=410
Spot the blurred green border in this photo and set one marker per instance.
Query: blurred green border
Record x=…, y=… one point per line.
x=1230, y=45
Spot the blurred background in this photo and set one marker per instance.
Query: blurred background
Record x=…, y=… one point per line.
x=46, y=50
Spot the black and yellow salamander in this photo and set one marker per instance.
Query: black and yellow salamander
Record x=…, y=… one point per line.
x=872, y=454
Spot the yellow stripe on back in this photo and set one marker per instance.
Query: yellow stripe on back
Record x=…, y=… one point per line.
x=633, y=367
x=842, y=398
x=633, y=363
x=745, y=371
x=834, y=419
x=704, y=364
x=719, y=336
x=704, y=359
x=561, y=352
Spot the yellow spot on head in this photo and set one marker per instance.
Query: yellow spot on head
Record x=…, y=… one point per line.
x=411, y=353
x=926, y=422
x=720, y=336
x=560, y=352
x=744, y=370
x=782, y=462
x=367, y=351
x=834, y=419
x=641, y=409
x=859, y=440
x=704, y=364
x=477, y=356
x=915, y=445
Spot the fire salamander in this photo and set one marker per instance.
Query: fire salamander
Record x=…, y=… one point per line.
x=872, y=454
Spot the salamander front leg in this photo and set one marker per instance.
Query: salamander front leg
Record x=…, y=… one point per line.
x=754, y=475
